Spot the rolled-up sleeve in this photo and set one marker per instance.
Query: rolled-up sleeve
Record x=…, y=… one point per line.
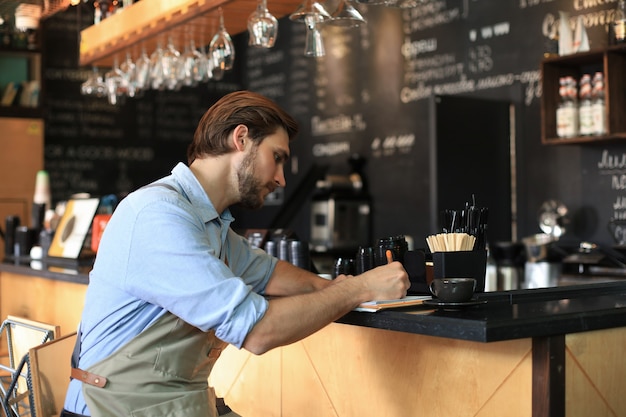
x=205, y=276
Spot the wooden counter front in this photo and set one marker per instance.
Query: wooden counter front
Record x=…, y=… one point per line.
x=353, y=371
x=348, y=370
x=42, y=299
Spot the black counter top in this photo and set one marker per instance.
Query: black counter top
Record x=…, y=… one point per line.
x=511, y=314
x=63, y=272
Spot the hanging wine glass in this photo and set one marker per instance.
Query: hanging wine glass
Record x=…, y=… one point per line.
x=347, y=15
x=199, y=70
x=128, y=69
x=142, y=70
x=313, y=14
x=157, y=81
x=262, y=27
x=310, y=7
x=314, y=44
x=116, y=84
x=94, y=85
x=214, y=70
x=170, y=60
x=221, y=48
x=186, y=65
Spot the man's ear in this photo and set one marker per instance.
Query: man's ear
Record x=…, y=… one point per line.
x=240, y=136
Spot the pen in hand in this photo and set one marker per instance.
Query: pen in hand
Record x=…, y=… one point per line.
x=389, y=256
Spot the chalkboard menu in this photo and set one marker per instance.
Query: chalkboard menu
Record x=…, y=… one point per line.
x=604, y=180
x=369, y=96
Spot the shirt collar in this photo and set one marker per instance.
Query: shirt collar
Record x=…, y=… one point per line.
x=197, y=196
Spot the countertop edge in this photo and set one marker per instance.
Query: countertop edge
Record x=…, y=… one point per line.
x=58, y=273
x=429, y=322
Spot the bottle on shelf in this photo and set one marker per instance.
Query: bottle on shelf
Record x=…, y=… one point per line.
x=552, y=44
x=618, y=25
x=97, y=12
x=567, y=112
x=20, y=39
x=104, y=9
x=585, y=117
x=598, y=107
x=6, y=32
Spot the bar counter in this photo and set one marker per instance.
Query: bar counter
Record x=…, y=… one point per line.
x=510, y=315
x=538, y=352
x=583, y=304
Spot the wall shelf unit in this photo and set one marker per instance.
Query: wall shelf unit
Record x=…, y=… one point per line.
x=611, y=62
x=145, y=23
x=22, y=68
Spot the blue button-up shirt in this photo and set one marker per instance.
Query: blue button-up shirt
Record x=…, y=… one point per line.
x=166, y=248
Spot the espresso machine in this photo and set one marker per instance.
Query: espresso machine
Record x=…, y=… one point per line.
x=340, y=211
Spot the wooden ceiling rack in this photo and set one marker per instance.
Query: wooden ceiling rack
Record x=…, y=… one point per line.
x=146, y=23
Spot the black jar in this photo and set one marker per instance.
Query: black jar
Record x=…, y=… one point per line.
x=396, y=244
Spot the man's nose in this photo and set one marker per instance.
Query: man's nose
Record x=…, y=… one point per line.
x=280, y=178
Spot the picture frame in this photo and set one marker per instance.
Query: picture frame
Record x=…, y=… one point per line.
x=71, y=233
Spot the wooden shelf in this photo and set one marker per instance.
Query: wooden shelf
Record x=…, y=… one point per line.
x=146, y=23
x=585, y=139
x=611, y=62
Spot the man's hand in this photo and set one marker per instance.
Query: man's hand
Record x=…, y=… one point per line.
x=387, y=282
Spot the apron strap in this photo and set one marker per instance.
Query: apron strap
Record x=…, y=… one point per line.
x=76, y=351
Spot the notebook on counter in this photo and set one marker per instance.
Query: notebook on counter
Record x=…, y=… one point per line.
x=410, y=300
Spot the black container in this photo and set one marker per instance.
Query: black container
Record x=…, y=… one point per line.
x=11, y=225
x=24, y=241
x=364, y=260
x=343, y=266
x=415, y=266
x=396, y=244
x=38, y=216
x=461, y=264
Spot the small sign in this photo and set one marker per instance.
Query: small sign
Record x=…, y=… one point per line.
x=71, y=233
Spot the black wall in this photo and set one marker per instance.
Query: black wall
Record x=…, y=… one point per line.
x=369, y=96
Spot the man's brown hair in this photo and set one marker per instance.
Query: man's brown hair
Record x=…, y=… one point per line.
x=261, y=115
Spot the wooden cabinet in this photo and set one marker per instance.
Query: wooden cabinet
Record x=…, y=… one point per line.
x=21, y=156
x=612, y=63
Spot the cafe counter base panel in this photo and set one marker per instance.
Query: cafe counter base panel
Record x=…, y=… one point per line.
x=544, y=352
x=346, y=370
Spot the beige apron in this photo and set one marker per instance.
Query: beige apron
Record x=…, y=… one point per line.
x=161, y=372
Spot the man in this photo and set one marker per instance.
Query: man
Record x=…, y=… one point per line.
x=172, y=284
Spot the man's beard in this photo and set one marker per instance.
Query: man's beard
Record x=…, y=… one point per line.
x=249, y=186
